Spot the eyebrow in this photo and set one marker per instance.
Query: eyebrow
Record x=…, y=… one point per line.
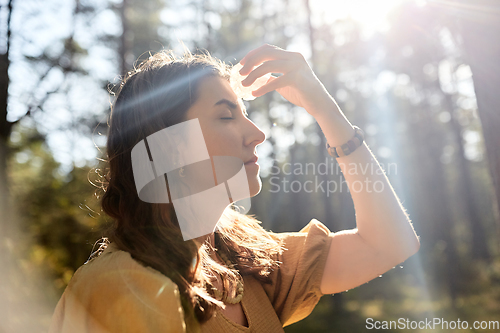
x=231, y=105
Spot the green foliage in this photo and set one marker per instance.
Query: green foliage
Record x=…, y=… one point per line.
x=58, y=211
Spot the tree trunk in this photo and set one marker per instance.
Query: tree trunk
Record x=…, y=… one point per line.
x=208, y=40
x=437, y=211
x=4, y=193
x=124, y=44
x=466, y=190
x=480, y=28
x=5, y=130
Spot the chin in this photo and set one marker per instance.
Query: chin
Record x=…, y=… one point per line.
x=255, y=186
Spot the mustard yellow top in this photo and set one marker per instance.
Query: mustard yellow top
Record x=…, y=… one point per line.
x=116, y=294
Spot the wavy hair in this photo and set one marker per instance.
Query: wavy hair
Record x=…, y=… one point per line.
x=155, y=95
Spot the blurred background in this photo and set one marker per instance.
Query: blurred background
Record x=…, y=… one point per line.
x=420, y=77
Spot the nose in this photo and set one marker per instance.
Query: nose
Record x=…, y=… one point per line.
x=253, y=135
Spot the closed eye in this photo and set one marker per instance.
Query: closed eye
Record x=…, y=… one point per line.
x=227, y=118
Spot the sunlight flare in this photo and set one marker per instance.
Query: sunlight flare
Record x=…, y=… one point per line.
x=370, y=14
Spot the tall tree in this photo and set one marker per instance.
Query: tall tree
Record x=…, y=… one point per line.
x=140, y=22
x=5, y=126
x=124, y=49
x=479, y=27
x=466, y=188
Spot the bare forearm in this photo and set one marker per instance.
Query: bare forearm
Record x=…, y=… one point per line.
x=381, y=219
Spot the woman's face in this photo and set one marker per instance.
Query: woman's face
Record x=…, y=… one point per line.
x=226, y=129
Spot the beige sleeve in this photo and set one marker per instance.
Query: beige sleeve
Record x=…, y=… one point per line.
x=295, y=290
x=118, y=295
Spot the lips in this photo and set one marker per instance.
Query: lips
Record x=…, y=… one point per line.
x=252, y=160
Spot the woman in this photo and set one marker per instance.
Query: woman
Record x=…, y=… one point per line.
x=240, y=277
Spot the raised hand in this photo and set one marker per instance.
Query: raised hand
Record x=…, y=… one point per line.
x=298, y=84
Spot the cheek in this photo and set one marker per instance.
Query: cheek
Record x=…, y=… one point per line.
x=223, y=143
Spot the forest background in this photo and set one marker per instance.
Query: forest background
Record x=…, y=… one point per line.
x=420, y=77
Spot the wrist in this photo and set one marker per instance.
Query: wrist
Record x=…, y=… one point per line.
x=349, y=147
x=335, y=126
x=323, y=107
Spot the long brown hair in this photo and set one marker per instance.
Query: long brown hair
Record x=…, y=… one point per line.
x=156, y=95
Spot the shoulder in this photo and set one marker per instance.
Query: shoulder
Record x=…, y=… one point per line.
x=115, y=285
x=116, y=270
x=314, y=232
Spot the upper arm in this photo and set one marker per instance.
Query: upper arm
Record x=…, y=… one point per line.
x=351, y=262
x=294, y=290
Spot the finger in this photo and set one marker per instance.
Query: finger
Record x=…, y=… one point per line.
x=272, y=66
x=272, y=84
x=251, y=53
x=264, y=54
